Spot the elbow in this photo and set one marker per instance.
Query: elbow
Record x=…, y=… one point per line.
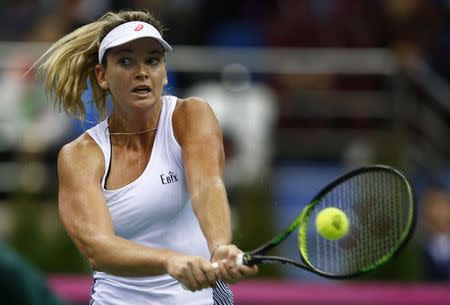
x=94, y=249
x=93, y=261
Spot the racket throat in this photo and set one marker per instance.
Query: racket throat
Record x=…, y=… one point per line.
x=256, y=260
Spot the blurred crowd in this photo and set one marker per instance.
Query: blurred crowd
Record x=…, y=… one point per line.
x=435, y=229
x=407, y=26
x=412, y=29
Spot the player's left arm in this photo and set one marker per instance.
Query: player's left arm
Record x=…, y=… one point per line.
x=199, y=134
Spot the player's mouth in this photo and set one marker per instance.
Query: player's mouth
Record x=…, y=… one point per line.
x=142, y=90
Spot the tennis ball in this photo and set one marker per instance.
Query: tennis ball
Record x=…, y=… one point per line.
x=332, y=223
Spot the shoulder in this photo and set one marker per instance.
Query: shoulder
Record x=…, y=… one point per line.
x=81, y=154
x=79, y=148
x=193, y=116
x=191, y=105
x=192, y=110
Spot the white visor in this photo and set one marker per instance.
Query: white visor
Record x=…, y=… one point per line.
x=127, y=32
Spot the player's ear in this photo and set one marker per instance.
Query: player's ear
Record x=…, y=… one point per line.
x=101, y=77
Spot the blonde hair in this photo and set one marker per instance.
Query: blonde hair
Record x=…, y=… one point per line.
x=70, y=62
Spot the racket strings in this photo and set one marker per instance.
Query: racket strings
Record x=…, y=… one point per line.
x=377, y=205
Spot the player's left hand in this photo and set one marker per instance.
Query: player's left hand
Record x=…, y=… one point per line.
x=228, y=270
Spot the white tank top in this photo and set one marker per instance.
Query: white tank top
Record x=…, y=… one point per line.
x=154, y=210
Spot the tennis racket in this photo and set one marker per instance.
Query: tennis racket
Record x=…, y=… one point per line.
x=380, y=205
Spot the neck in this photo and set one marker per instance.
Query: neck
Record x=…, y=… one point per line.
x=120, y=125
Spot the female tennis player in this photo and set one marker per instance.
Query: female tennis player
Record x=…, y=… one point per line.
x=141, y=194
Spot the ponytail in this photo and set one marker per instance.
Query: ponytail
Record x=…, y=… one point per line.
x=70, y=62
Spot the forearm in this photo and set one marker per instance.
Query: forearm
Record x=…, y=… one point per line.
x=211, y=207
x=118, y=256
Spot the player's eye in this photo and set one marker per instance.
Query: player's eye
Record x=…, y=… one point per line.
x=125, y=61
x=154, y=61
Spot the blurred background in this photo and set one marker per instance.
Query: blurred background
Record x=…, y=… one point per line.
x=305, y=90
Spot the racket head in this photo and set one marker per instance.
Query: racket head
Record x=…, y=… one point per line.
x=379, y=202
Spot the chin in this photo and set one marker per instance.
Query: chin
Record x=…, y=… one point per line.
x=147, y=102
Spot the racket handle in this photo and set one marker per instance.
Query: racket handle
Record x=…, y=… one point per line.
x=239, y=261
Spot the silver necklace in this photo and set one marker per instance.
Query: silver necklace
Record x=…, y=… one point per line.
x=128, y=133
x=132, y=133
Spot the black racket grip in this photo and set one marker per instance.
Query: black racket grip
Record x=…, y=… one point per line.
x=244, y=259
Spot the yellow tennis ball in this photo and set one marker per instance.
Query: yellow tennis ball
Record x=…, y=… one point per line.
x=332, y=223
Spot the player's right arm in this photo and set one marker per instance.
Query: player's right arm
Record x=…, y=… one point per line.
x=86, y=218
